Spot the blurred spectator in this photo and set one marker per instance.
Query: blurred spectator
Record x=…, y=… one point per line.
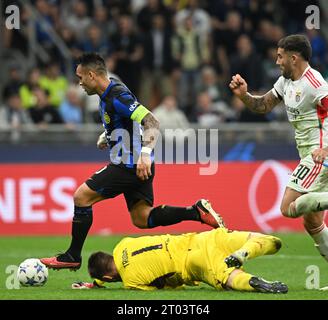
x=95, y=41
x=263, y=37
x=14, y=81
x=175, y=5
x=54, y=82
x=256, y=10
x=169, y=115
x=69, y=38
x=225, y=39
x=319, y=50
x=190, y=53
x=211, y=114
x=15, y=114
x=158, y=63
x=200, y=18
x=128, y=54
x=43, y=23
x=26, y=90
x=71, y=108
x=3, y=118
x=277, y=33
x=43, y=113
x=102, y=20
x=270, y=71
x=137, y=5
x=229, y=32
x=219, y=10
x=146, y=14
x=117, y=7
x=247, y=63
x=211, y=85
x=77, y=19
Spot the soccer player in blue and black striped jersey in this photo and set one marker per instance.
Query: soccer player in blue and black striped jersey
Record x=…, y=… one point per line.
x=131, y=131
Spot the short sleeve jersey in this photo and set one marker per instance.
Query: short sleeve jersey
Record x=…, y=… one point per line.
x=152, y=262
x=302, y=99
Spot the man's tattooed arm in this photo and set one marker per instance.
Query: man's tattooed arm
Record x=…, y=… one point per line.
x=151, y=130
x=260, y=104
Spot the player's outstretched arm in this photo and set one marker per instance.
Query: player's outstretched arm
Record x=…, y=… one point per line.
x=257, y=104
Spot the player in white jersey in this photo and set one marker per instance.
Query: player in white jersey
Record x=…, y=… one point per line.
x=305, y=95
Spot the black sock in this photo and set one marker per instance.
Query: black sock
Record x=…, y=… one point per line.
x=167, y=215
x=81, y=224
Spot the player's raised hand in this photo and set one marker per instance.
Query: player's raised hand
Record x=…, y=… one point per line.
x=238, y=85
x=144, y=166
x=319, y=155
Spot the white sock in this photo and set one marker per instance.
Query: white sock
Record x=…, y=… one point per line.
x=310, y=202
x=321, y=241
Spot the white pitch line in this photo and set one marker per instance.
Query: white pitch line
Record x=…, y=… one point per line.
x=289, y=256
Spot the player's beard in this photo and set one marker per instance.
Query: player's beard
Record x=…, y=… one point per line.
x=286, y=73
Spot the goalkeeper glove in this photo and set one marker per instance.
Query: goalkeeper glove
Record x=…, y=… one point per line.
x=88, y=285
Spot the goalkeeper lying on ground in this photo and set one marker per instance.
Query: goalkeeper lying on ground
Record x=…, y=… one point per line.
x=169, y=261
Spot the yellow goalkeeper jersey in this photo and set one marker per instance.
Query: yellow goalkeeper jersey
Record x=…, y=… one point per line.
x=152, y=262
x=169, y=261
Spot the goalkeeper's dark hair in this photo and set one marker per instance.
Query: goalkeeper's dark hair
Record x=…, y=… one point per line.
x=93, y=61
x=297, y=43
x=99, y=264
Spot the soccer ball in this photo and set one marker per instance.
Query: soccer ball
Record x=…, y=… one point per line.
x=32, y=273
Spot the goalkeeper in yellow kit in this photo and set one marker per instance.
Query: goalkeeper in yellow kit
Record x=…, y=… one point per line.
x=169, y=261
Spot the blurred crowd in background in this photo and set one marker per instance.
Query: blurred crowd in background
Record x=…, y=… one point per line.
x=176, y=56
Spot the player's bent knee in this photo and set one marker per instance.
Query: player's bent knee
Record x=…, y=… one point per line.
x=284, y=210
x=84, y=196
x=78, y=199
x=285, y=213
x=140, y=223
x=289, y=210
x=139, y=214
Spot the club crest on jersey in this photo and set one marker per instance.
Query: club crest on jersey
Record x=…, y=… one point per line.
x=106, y=118
x=298, y=96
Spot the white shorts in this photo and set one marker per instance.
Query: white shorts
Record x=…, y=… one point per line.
x=309, y=177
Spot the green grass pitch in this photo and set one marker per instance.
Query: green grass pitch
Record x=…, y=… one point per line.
x=289, y=266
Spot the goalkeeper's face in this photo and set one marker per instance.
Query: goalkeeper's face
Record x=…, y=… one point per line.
x=87, y=79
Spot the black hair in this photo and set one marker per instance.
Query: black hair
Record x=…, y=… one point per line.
x=98, y=264
x=93, y=61
x=297, y=43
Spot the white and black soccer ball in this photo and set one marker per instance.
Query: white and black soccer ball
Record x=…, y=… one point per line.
x=32, y=273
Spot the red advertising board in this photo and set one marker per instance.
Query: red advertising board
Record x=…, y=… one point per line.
x=36, y=199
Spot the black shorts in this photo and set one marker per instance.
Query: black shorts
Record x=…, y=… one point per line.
x=114, y=180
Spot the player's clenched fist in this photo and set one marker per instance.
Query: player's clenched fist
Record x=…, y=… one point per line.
x=238, y=85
